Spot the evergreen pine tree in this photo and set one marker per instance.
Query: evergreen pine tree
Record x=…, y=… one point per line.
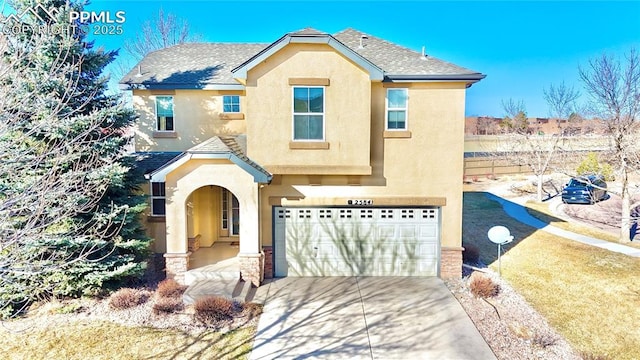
x=68, y=210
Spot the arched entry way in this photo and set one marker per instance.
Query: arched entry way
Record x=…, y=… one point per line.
x=219, y=162
x=213, y=229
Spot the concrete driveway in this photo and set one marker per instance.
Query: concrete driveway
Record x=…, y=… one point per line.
x=365, y=318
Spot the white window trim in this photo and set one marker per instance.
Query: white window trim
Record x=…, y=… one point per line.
x=224, y=211
x=239, y=105
x=293, y=113
x=155, y=197
x=405, y=108
x=155, y=110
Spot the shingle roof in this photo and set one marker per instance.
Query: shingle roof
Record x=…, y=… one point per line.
x=308, y=31
x=151, y=161
x=196, y=65
x=395, y=59
x=232, y=145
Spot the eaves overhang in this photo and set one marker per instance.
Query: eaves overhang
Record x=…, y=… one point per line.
x=375, y=73
x=182, y=86
x=467, y=78
x=159, y=175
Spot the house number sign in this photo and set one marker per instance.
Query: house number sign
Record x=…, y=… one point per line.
x=361, y=202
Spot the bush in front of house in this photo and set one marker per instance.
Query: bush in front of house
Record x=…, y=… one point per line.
x=211, y=310
x=169, y=288
x=127, y=298
x=168, y=305
x=483, y=287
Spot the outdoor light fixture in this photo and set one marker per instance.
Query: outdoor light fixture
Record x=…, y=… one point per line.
x=499, y=235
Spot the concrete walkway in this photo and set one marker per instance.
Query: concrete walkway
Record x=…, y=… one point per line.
x=519, y=212
x=365, y=318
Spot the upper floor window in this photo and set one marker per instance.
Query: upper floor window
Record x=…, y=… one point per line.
x=308, y=113
x=164, y=113
x=396, y=109
x=231, y=103
x=158, y=199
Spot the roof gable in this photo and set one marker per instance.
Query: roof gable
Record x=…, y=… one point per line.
x=233, y=148
x=223, y=66
x=308, y=36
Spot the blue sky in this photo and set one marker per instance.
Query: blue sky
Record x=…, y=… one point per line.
x=522, y=47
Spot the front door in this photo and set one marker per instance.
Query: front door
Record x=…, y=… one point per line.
x=230, y=213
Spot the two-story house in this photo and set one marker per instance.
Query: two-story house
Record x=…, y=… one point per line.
x=314, y=155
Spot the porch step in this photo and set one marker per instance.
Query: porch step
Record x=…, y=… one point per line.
x=193, y=276
x=235, y=289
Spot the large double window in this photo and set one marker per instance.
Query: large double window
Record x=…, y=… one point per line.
x=308, y=113
x=397, y=109
x=164, y=113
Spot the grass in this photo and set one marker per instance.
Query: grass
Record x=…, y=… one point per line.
x=590, y=295
x=105, y=340
x=541, y=211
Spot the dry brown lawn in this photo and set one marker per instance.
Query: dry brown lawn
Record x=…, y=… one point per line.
x=590, y=295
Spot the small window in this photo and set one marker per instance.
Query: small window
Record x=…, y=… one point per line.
x=396, y=109
x=308, y=113
x=158, y=199
x=164, y=113
x=231, y=103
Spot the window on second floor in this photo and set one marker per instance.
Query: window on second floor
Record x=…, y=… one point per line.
x=164, y=113
x=396, y=109
x=308, y=113
x=231, y=103
x=158, y=199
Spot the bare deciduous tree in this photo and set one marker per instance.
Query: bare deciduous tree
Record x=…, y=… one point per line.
x=561, y=100
x=520, y=145
x=613, y=87
x=161, y=32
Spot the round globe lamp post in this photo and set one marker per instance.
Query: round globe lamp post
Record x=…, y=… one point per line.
x=499, y=235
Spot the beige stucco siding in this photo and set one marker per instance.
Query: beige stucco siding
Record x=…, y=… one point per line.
x=429, y=164
x=154, y=226
x=347, y=111
x=184, y=181
x=196, y=118
x=205, y=203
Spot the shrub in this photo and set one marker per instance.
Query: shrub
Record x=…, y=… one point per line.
x=168, y=305
x=127, y=298
x=170, y=288
x=252, y=310
x=483, y=287
x=471, y=254
x=591, y=165
x=210, y=310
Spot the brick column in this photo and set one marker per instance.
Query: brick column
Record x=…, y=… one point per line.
x=268, y=262
x=176, y=266
x=451, y=262
x=252, y=268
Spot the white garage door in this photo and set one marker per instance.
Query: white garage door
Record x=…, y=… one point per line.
x=356, y=241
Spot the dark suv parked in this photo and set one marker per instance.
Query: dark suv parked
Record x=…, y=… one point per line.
x=584, y=190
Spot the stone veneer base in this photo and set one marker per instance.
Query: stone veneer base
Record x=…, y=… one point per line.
x=451, y=262
x=176, y=265
x=252, y=268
